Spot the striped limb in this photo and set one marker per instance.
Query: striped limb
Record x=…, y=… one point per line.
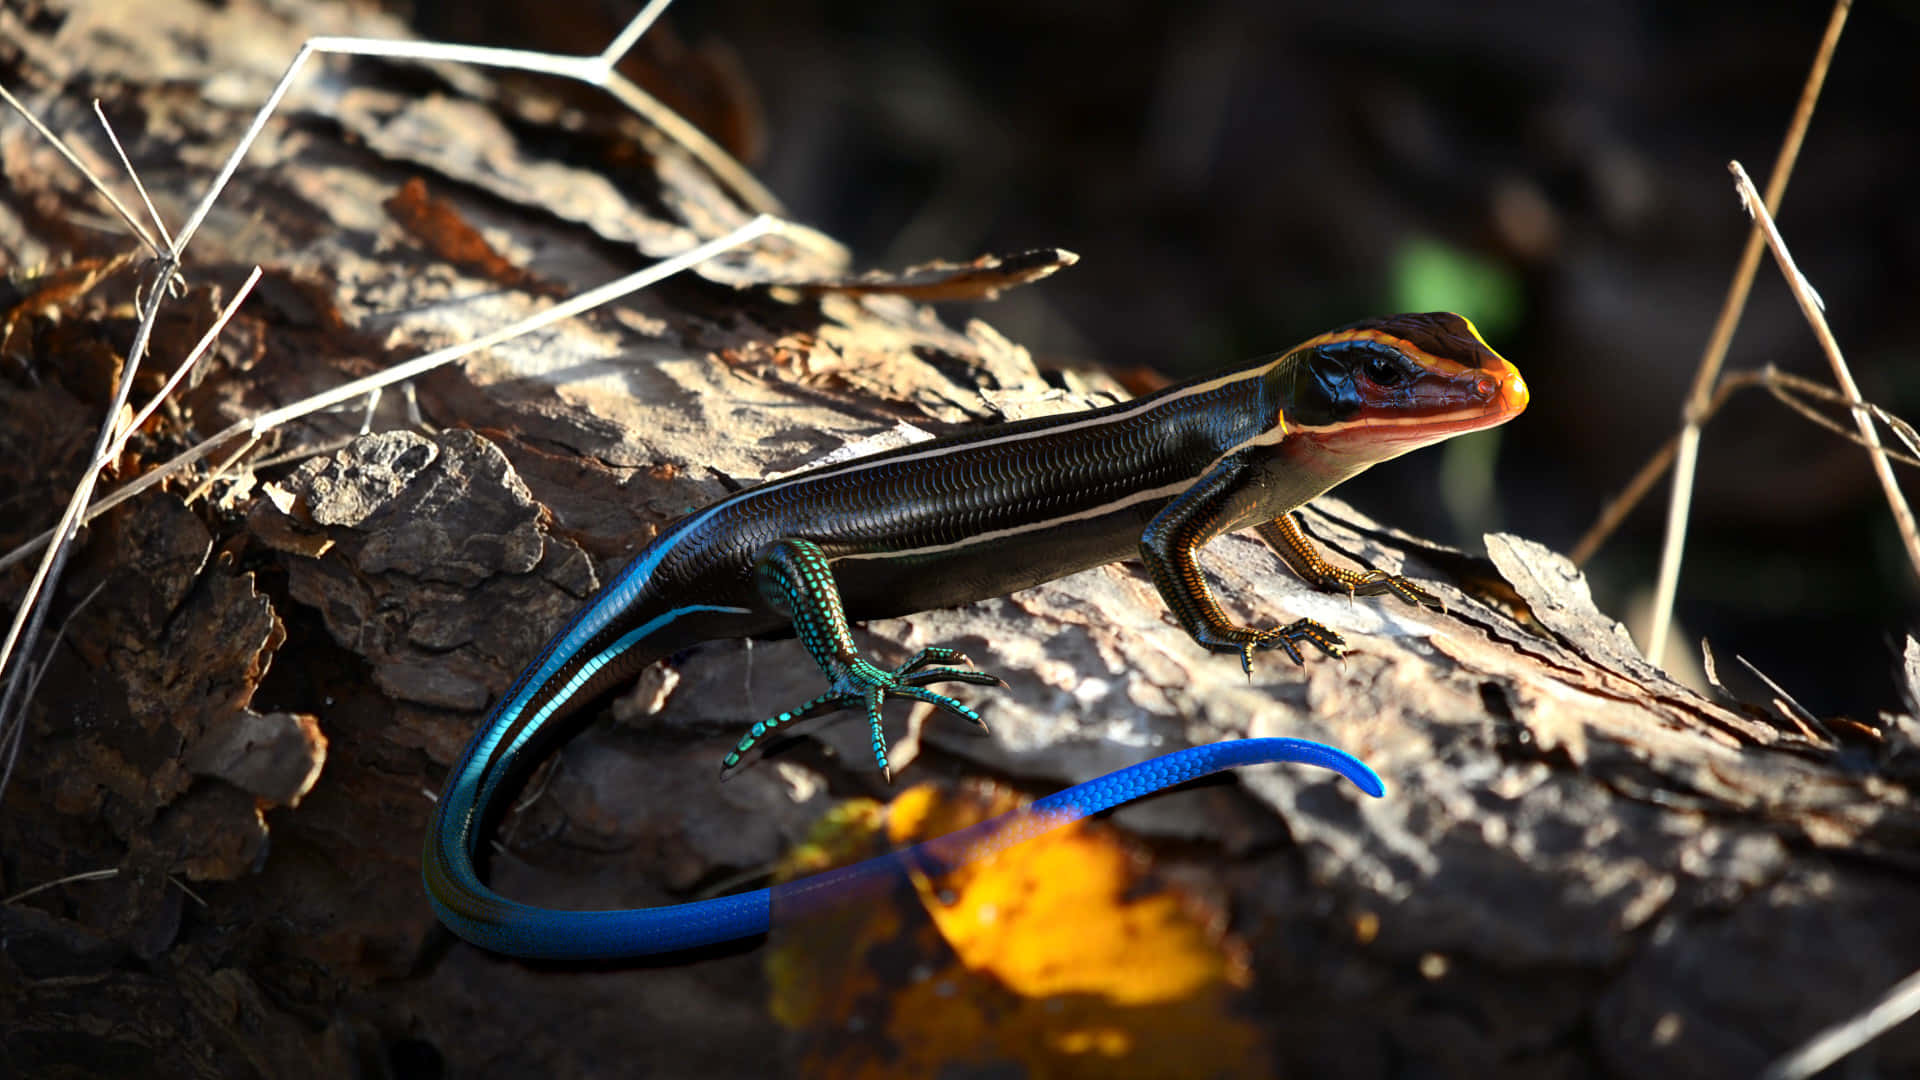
x=1283, y=535
x=1171, y=546
x=795, y=579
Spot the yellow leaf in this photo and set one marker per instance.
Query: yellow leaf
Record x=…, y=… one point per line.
x=1059, y=957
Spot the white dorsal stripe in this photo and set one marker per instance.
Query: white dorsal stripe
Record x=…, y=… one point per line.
x=1086, y=420
x=493, y=751
x=1265, y=438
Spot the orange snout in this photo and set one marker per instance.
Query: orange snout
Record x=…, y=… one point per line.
x=1513, y=391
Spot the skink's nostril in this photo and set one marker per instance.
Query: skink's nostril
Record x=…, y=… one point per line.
x=1514, y=392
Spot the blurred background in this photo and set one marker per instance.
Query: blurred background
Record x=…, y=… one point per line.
x=1239, y=175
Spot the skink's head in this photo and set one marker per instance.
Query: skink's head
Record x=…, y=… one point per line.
x=1382, y=387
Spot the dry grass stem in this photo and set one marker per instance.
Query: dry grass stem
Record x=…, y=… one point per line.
x=1787, y=388
x=1895, y=1007
x=594, y=71
x=115, y=446
x=1862, y=417
x=87, y=875
x=133, y=176
x=1687, y=455
x=1616, y=509
x=93, y=178
x=31, y=616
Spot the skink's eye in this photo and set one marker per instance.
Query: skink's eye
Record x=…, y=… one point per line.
x=1383, y=371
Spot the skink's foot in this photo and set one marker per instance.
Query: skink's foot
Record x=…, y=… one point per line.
x=856, y=683
x=1377, y=582
x=1244, y=640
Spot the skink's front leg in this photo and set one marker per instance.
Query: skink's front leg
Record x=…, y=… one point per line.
x=1283, y=535
x=1170, y=547
x=794, y=577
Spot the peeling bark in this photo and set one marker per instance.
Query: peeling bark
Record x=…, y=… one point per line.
x=1581, y=868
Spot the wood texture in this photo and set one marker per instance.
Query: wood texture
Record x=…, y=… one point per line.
x=1581, y=868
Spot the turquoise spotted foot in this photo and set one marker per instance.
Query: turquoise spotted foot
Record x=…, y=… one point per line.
x=854, y=682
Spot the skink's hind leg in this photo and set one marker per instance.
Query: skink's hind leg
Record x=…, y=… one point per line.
x=794, y=577
x=1283, y=535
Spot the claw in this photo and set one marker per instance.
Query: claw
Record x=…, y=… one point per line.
x=943, y=674
x=875, y=697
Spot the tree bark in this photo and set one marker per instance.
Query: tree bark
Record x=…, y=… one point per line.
x=1581, y=868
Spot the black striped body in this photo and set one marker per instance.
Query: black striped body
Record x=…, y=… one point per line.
x=974, y=515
